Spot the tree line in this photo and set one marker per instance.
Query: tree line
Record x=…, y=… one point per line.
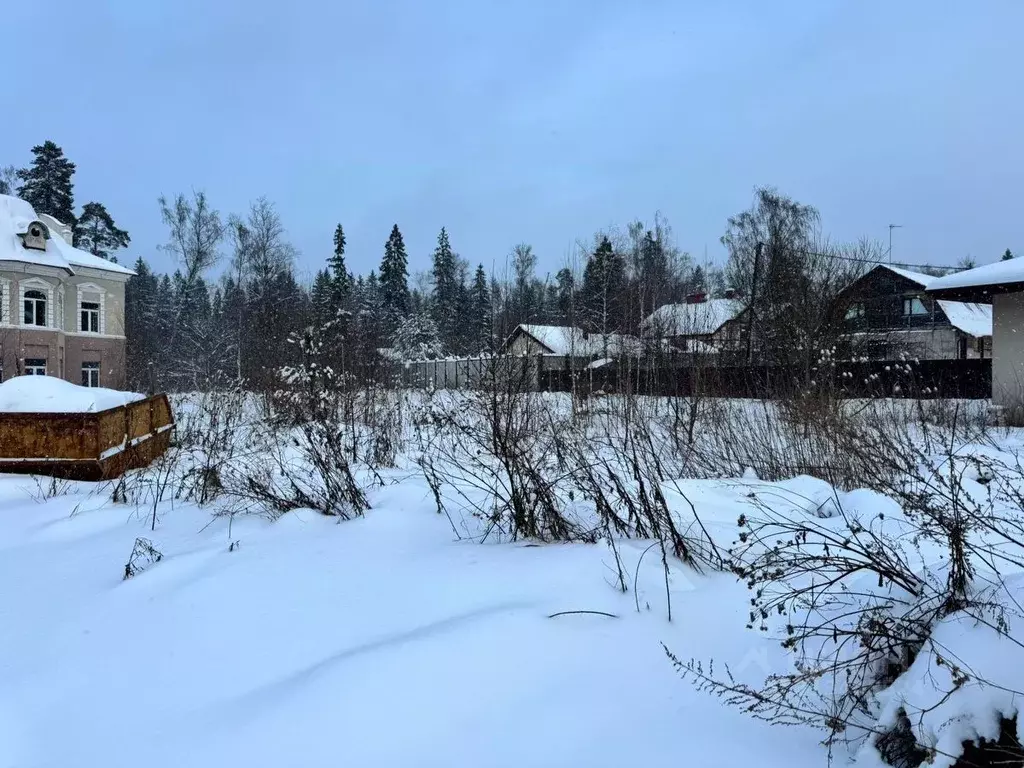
x=186, y=328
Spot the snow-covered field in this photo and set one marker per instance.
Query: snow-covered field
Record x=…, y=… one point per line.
x=378, y=641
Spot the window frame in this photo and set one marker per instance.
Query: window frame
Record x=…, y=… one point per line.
x=90, y=373
x=38, y=303
x=94, y=294
x=33, y=365
x=92, y=313
x=910, y=302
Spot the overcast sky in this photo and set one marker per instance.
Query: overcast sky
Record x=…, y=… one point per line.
x=538, y=121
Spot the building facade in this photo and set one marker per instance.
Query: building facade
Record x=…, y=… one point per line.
x=61, y=309
x=888, y=314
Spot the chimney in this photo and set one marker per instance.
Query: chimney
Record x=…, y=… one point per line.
x=696, y=298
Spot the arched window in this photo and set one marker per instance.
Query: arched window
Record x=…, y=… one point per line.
x=35, y=308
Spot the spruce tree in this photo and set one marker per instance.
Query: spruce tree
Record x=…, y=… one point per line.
x=96, y=232
x=394, y=281
x=46, y=184
x=336, y=263
x=141, y=328
x=481, y=317
x=322, y=297
x=698, y=280
x=604, y=281
x=417, y=338
x=1007, y=255
x=444, y=304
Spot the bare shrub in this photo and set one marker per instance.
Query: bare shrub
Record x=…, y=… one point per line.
x=211, y=429
x=855, y=597
x=496, y=449
x=50, y=487
x=143, y=555
x=310, y=466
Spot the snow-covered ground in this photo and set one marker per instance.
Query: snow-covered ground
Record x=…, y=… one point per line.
x=386, y=640
x=378, y=641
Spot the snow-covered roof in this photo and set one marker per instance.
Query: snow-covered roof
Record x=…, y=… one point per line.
x=560, y=339
x=972, y=319
x=569, y=340
x=699, y=319
x=918, y=277
x=1000, y=273
x=15, y=216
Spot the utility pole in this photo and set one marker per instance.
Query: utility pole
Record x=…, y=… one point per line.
x=753, y=298
x=891, y=228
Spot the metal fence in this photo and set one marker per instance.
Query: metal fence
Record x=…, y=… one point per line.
x=967, y=379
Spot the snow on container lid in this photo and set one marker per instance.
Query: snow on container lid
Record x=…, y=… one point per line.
x=48, y=394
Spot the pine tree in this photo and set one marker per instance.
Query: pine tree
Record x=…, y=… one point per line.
x=1007, y=255
x=46, y=184
x=96, y=232
x=417, y=338
x=698, y=280
x=444, y=304
x=481, y=319
x=336, y=263
x=394, y=281
x=604, y=282
x=369, y=331
x=566, y=296
x=141, y=326
x=322, y=297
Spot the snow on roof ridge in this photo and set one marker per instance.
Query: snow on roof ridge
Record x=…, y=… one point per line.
x=15, y=214
x=699, y=319
x=918, y=277
x=568, y=339
x=997, y=273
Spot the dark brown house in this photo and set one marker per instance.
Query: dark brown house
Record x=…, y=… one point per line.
x=887, y=314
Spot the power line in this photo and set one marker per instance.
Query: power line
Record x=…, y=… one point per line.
x=863, y=260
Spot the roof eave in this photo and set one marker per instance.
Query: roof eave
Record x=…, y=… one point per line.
x=976, y=294
x=66, y=267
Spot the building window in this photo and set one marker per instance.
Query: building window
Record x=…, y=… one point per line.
x=90, y=374
x=35, y=366
x=855, y=311
x=914, y=306
x=90, y=322
x=35, y=308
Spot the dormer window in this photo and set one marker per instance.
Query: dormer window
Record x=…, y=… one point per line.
x=35, y=236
